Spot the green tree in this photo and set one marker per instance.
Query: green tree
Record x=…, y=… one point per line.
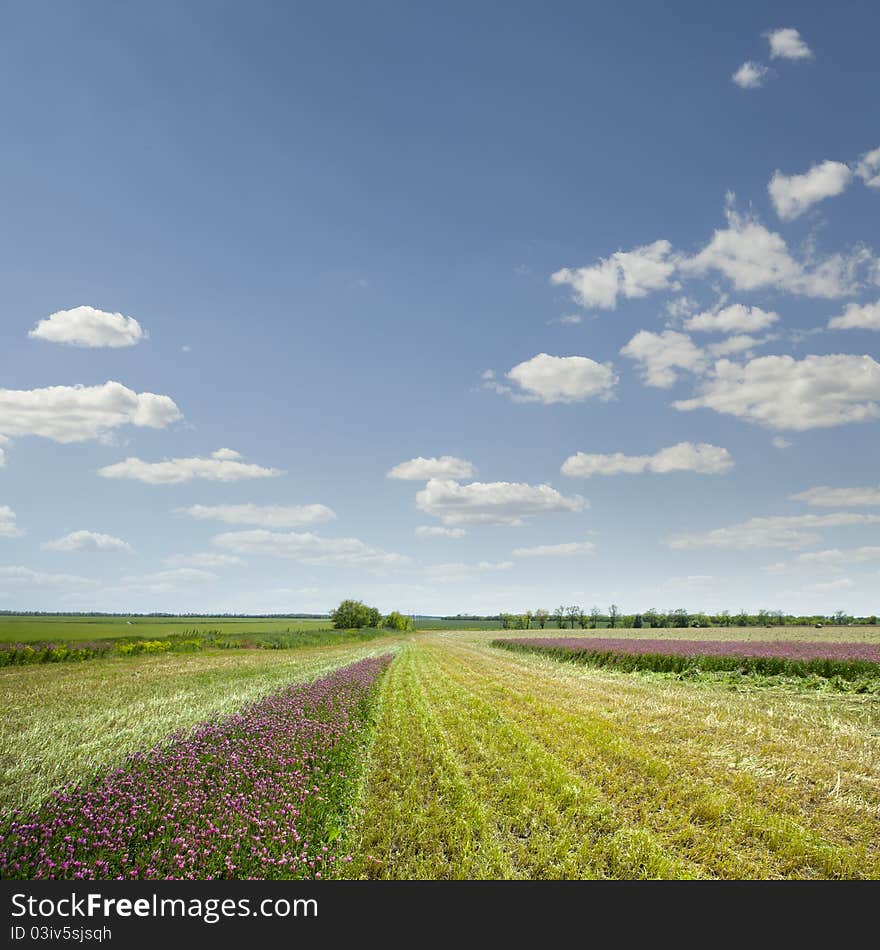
x=613, y=614
x=541, y=617
x=397, y=621
x=559, y=616
x=354, y=614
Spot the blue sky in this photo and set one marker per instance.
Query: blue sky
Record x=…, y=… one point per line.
x=529, y=244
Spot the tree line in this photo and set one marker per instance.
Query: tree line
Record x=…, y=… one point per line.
x=574, y=616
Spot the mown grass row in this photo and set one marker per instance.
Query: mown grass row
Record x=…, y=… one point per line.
x=491, y=765
x=852, y=675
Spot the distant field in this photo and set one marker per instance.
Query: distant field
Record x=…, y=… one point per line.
x=854, y=634
x=32, y=629
x=457, y=624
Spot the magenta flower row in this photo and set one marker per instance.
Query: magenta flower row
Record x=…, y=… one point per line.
x=259, y=794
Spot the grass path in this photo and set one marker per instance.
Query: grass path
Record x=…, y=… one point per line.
x=62, y=722
x=489, y=764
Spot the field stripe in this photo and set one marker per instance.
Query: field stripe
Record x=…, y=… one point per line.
x=736, y=823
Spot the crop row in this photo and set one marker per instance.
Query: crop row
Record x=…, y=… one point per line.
x=23, y=654
x=848, y=661
x=260, y=794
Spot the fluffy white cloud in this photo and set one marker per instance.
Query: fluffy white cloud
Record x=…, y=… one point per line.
x=3, y=441
x=857, y=317
x=421, y=469
x=88, y=327
x=784, y=531
x=17, y=576
x=308, y=548
x=80, y=413
x=659, y=355
x=567, y=549
x=630, y=274
x=264, y=516
x=737, y=318
x=703, y=458
x=750, y=75
x=220, y=467
x=565, y=379
x=436, y=531
x=779, y=442
x=492, y=502
x=784, y=393
x=751, y=258
x=88, y=541
x=792, y=195
x=787, y=43
x=8, y=527
x=868, y=168
x=203, y=559
x=824, y=497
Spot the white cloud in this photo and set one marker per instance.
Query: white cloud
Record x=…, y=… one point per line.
x=16, y=576
x=784, y=393
x=457, y=571
x=659, y=355
x=835, y=558
x=3, y=441
x=827, y=587
x=205, y=559
x=680, y=307
x=751, y=258
x=868, y=168
x=750, y=75
x=778, y=442
x=703, y=458
x=737, y=318
x=164, y=582
x=8, y=527
x=857, y=317
x=562, y=379
x=568, y=549
x=697, y=583
x=308, y=548
x=492, y=502
x=88, y=541
x=80, y=413
x=264, y=516
x=787, y=43
x=421, y=469
x=741, y=343
x=220, y=467
x=571, y=319
x=824, y=497
x=792, y=195
x=784, y=531
x=88, y=327
x=630, y=274
x=436, y=531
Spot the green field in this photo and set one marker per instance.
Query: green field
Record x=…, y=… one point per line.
x=20, y=629
x=486, y=763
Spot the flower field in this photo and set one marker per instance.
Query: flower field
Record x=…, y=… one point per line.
x=262, y=793
x=849, y=661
